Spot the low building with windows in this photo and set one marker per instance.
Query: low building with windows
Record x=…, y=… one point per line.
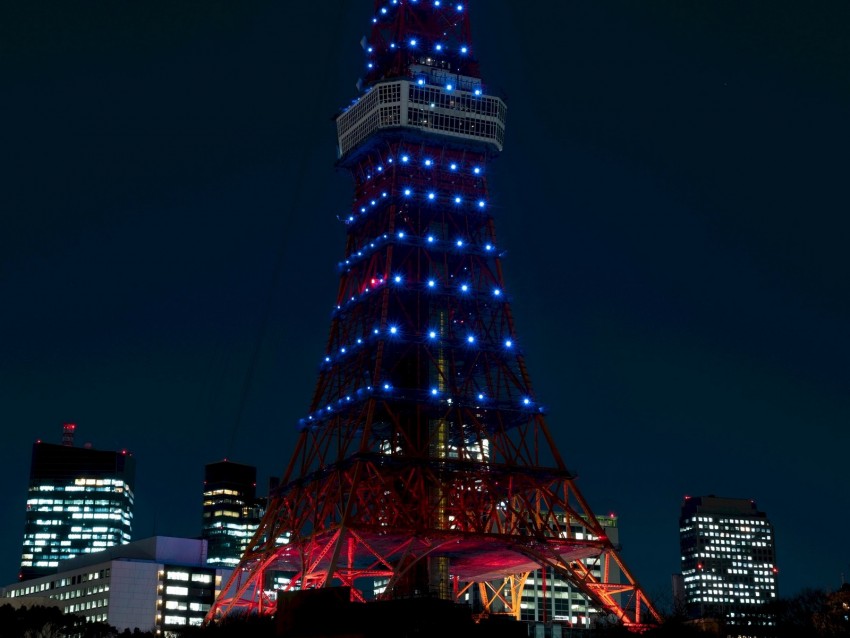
x=157, y=584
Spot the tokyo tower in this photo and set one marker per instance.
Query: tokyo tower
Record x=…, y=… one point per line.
x=425, y=463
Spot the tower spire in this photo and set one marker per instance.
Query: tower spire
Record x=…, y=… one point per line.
x=425, y=466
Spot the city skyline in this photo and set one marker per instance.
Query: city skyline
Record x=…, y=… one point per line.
x=669, y=198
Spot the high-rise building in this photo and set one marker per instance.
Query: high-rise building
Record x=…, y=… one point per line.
x=80, y=500
x=232, y=512
x=160, y=584
x=728, y=561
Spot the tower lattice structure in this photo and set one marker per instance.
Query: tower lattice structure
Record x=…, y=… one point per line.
x=425, y=462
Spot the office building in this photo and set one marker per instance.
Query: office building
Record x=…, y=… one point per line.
x=80, y=500
x=231, y=512
x=554, y=599
x=157, y=584
x=728, y=562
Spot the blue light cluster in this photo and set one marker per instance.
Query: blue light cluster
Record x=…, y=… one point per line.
x=412, y=41
x=393, y=332
x=407, y=239
x=407, y=193
x=476, y=400
x=428, y=162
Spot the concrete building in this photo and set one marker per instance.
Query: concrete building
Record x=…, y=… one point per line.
x=562, y=601
x=728, y=562
x=79, y=500
x=157, y=584
x=231, y=511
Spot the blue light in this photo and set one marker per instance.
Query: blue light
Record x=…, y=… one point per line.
x=384, y=10
x=481, y=203
x=432, y=334
x=370, y=65
x=526, y=401
x=387, y=386
x=470, y=339
x=497, y=292
x=477, y=91
x=401, y=235
x=359, y=341
x=431, y=196
x=464, y=287
x=420, y=82
x=428, y=162
x=488, y=247
x=327, y=359
x=509, y=344
x=453, y=166
x=459, y=243
x=405, y=158
x=434, y=391
x=436, y=3
x=413, y=42
x=464, y=50
x=477, y=170
x=383, y=194
x=392, y=45
x=459, y=7
x=397, y=279
x=439, y=47
x=380, y=168
x=376, y=331
x=480, y=397
x=370, y=49
x=431, y=239
x=457, y=200
x=407, y=192
x=449, y=87
x=373, y=202
x=393, y=330
x=342, y=350
x=431, y=283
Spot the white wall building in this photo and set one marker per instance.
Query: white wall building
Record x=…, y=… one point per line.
x=156, y=584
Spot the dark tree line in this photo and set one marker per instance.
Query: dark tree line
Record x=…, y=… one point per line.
x=810, y=614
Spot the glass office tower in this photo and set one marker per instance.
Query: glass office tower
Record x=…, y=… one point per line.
x=232, y=512
x=79, y=501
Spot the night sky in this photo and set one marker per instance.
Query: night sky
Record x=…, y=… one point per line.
x=673, y=199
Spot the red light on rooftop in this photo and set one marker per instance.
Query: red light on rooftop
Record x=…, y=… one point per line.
x=775, y=570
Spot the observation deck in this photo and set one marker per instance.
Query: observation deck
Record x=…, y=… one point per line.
x=431, y=101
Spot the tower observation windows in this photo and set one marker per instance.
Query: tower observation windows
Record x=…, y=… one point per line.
x=404, y=104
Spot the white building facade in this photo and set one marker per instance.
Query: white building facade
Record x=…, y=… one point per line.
x=158, y=584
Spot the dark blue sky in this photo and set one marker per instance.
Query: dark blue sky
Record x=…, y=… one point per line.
x=673, y=197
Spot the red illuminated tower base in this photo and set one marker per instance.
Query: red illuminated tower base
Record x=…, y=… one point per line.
x=425, y=467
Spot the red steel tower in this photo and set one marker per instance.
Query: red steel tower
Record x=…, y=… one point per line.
x=425, y=462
